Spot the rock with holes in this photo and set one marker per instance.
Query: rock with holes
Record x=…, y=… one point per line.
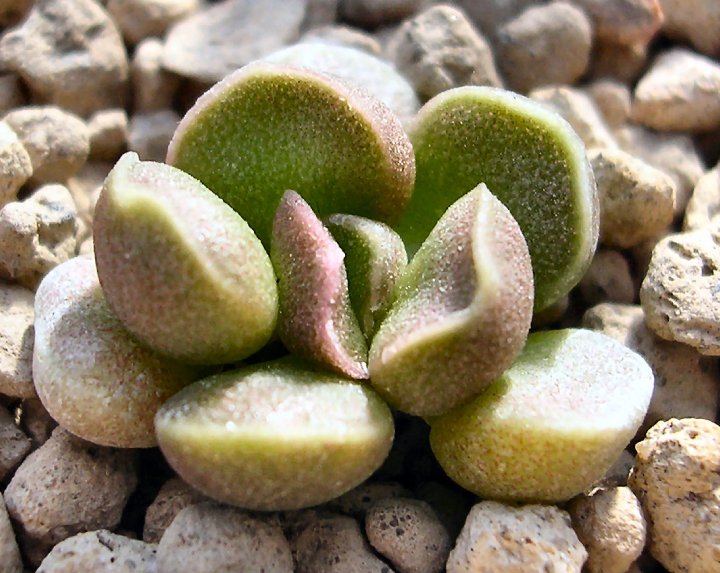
x=679, y=293
x=499, y=537
x=69, y=54
x=440, y=49
x=608, y=279
x=14, y=444
x=409, y=534
x=100, y=550
x=676, y=480
x=611, y=525
x=15, y=164
x=9, y=551
x=16, y=341
x=685, y=380
x=207, y=537
x=704, y=204
x=174, y=496
x=697, y=21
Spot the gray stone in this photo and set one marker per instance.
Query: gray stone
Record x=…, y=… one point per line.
x=440, y=49
x=15, y=165
x=16, y=341
x=70, y=54
x=140, y=19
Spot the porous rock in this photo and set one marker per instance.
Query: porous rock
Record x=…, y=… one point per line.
x=174, y=496
x=676, y=481
x=98, y=551
x=14, y=444
x=206, y=537
x=697, y=21
x=153, y=86
x=150, y=133
x=611, y=525
x=70, y=54
x=37, y=234
x=58, y=142
x=685, y=380
x=608, y=279
x=409, y=534
x=65, y=487
x=16, y=341
x=704, y=204
x=637, y=201
x=680, y=92
x=547, y=44
x=9, y=551
x=15, y=164
x=678, y=294
x=139, y=19
x=498, y=537
x=108, y=134
x=440, y=49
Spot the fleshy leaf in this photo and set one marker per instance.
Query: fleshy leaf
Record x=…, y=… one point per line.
x=185, y=274
x=268, y=128
x=275, y=436
x=374, y=258
x=529, y=157
x=316, y=320
x=552, y=425
x=462, y=310
x=90, y=374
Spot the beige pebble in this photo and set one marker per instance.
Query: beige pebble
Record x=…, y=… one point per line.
x=14, y=444
x=409, y=534
x=358, y=500
x=608, y=279
x=174, y=496
x=70, y=54
x=637, y=201
x=101, y=552
x=16, y=341
x=697, y=21
x=10, y=560
x=108, y=134
x=335, y=545
x=498, y=537
x=613, y=99
x=37, y=234
x=11, y=94
x=580, y=111
x=140, y=19
x=611, y=526
x=675, y=478
x=344, y=36
x=58, y=142
x=679, y=293
x=85, y=189
x=65, y=487
x=686, y=382
x=150, y=133
x=704, y=204
x=35, y=421
x=674, y=154
x=623, y=21
x=15, y=164
x=207, y=538
x=623, y=62
x=680, y=92
x=546, y=44
x=154, y=87
x=440, y=49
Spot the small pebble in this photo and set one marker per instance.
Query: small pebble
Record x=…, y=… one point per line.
x=697, y=21
x=108, y=131
x=623, y=21
x=154, y=88
x=15, y=164
x=680, y=92
x=85, y=189
x=58, y=142
x=140, y=19
x=174, y=496
x=439, y=49
x=375, y=13
x=678, y=294
x=547, y=44
x=207, y=538
x=704, y=204
x=65, y=487
x=9, y=551
x=344, y=36
x=675, y=478
x=613, y=100
x=409, y=534
x=637, y=201
x=608, y=279
x=70, y=54
x=14, y=444
x=498, y=537
x=149, y=134
x=37, y=234
x=100, y=551
x=16, y=341
x=622, y=62
x=611, y=526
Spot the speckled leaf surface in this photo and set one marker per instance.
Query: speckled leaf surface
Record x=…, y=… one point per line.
x=89, y=372
x=462, y=310
x=316, y=320
x=182, y=270
x=267, y=128
x=551, y=425
x=374, y=258
x=275, y=436
x=529, y=157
